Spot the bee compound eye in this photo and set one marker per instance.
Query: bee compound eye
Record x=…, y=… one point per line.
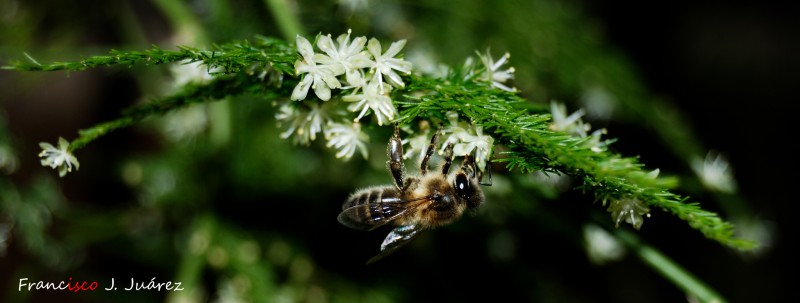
x=462, y=186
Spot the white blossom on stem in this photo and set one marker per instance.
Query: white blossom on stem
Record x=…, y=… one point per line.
x=321, y=78
x=60, y=157
x=629, y=210
x=304, y=123
x=347, y=138
x=372, y=98
x=386, y=64
x=478, y=142
x=493, y=74
x=417, y=145
x=573, y=125
x=466, y=139
x=349, y=58
x=570, y=124
x=455, y=131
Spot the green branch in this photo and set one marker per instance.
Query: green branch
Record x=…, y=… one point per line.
x=534, y=147
x=233, y=57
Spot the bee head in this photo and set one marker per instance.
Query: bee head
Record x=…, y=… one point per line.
x=463, y=186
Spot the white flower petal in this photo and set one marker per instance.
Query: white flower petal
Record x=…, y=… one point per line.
x=301, y=90
x=304, y=48
x=395, y=48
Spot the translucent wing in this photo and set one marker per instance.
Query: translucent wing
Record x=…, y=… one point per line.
x=399, y=236
x=373, y=215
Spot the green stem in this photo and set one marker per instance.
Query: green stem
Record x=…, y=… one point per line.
x=287, y=20
x=193, y=260
x=669, y=269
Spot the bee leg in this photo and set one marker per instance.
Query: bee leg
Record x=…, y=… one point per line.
x=480, y=176
x=448, y=158
x=395, y=153
x=468, y=166
x=423, y=167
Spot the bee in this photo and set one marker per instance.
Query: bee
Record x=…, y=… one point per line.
x=414, y=203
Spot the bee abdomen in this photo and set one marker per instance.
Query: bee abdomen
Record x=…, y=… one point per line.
x=372, y=195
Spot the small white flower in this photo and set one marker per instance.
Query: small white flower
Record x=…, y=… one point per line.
x=321, y=78
x=601, y=246
x=457, y=130
x=318, y=116
x=417, y=146
x=466, y=139
x=304, y=123
x=372, y=98
x=60, y=157
x=349, y=58
x=346, y=138
x=480, y=143
x=594, y=141
x=386, y=63
x=571, y=124
x=715, y=173
x=493, y=74
x=628, y=210
x=186, y=122
x=186, y=71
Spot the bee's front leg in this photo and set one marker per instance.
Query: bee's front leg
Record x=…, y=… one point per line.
x=423, y=168
x=395, y=153
x=448, y=158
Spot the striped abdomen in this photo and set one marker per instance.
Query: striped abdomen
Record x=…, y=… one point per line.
x=371, y=207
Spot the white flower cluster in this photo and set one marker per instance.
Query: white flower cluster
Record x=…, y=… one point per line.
x=60, y=158
x=573, y=125
x=357, y=65
x=371, y=71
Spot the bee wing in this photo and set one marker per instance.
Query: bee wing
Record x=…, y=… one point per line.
x=373, y=215
x=399, y=236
